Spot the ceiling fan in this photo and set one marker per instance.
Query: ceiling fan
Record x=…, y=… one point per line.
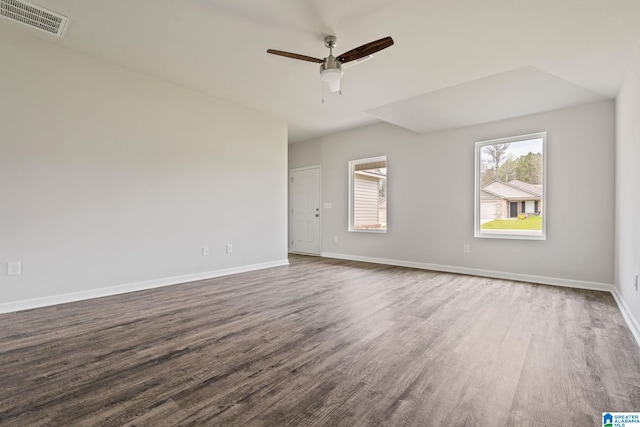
x=331, y=66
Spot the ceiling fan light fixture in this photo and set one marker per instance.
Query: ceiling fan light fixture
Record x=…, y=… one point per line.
x=332, y=77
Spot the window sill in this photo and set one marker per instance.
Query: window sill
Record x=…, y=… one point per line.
x=354, y=230
x=508, y=234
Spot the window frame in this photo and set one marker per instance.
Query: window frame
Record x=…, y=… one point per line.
x=352, y=170
x=478, y=233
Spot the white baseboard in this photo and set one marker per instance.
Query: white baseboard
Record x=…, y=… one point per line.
x=131, y=287
x=596, y=286
x=633, y=324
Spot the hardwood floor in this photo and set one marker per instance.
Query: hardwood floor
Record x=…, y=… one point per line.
x=322, y=342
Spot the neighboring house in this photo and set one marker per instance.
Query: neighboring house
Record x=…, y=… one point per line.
x=370, y=209
x=503, y=200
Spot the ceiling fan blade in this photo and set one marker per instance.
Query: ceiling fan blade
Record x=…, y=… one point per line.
x=295, y=56
x=365, y=50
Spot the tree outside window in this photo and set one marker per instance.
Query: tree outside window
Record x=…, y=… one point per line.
x=510, y=187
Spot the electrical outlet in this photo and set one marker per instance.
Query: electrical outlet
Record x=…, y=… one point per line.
x=465, y=248
x=335, y=239
x=229, y=248
x=636, y=281
x=14, y=268
x=205, y=251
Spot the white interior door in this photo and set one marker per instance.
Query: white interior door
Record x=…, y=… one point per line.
x=304, y=191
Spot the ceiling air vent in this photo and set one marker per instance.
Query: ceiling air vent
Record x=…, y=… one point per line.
x=34, y=16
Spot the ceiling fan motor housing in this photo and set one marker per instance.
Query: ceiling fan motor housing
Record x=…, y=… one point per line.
x=331, y=73
x=330, y=63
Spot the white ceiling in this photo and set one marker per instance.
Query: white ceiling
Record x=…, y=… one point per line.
x=573, y=51
x=514, y=93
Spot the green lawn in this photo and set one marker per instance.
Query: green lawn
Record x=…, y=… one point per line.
x=532, y=223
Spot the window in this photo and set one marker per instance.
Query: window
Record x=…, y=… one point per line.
x=510, y=187
x=368, y=195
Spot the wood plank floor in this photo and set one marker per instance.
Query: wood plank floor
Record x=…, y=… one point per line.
x=322, y=342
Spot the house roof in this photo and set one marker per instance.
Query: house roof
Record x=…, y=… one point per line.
x=478, y=61
x=488, y=195
x=531, y=188
x=509, y=191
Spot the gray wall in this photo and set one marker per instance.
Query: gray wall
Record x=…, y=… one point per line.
x=628, y=188
x=109, y=177
x=430, y=197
